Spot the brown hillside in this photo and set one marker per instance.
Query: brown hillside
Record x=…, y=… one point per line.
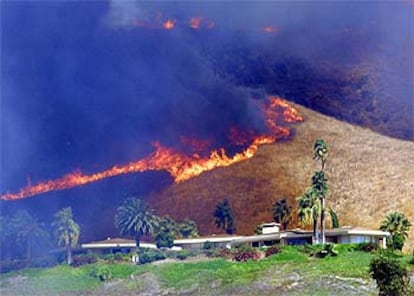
x=369, y=176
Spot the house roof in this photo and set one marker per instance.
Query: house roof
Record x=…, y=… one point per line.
x=200, y=240
x=116, y=243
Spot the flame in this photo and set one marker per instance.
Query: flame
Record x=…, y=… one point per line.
x=169, y=24
x=180, y=166
x=195, y=22
x=270, y=29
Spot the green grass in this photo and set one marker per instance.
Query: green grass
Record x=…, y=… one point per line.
x=278, y=271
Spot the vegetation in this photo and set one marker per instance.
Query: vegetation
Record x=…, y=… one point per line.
x=22, y=233
x=224, y=217
x=245, y=253
x=398, y=226
x=334, y=218
x=282, y=212
x=167, y=230
x=66, y=231
x=135, y=218
x=390, y=274
x=312, y=203
x=291, y=271
x=188, y=228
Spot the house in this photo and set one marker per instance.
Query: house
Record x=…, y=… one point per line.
x=115, y=245
x=342, y=235
x=271, y=236
x=197, y=243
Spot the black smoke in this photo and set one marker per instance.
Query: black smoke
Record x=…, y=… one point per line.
x=85, y=87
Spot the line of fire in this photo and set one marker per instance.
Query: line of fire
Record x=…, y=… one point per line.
x=179, y=165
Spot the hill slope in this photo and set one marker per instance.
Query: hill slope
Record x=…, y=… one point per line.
x=369, y=176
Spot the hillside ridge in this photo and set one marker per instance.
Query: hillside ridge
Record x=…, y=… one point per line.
x=369, y=175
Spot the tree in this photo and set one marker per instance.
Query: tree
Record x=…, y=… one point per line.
x=308, y=212
x=316, y=193
x=188, y=228
x=166, y=231
x=135, y=218
x=224, y=216
x=26, y=230
x=66, y=230
x=397, y=225
x=334, y=218
x=320, y=181
x=282, y=212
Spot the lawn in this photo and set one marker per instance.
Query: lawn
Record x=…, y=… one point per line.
x=291, y=272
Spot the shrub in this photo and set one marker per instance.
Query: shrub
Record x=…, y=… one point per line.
x=326, y=250
x=245, y=254
x=84, y=259
x=368, y=247
x=208, y=245
x=391, y=276
x=13, y=265
x=149, y=256
x=42, y=262
x=273, y=250
x=117, y=257
x=101, y=272
x=183, y=254
x=411, y=261
x=164, y=239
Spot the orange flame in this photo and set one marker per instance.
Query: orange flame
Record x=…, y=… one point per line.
x=169, y=24
x=195, y=22
x=270, y=29
x=180, y=166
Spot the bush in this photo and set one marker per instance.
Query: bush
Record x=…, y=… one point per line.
x=101, y=272
x=117, y=257
x=13, y=265
x=273, y=250
x=42, y=262
x=84, y=259
x=208, y=245
x=368, y=247
x=391, y=276
x=327, y=250
x=150, y=255
x=164, y=240
x=182, y=254
x=245, y=254
x=411, y=261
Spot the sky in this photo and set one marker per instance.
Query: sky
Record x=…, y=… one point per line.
x=89, y=84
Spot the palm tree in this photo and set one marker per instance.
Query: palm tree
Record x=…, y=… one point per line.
x=224, y=216
x=135, y=218
x=66, y=230
x=320, y=151
x=282, y=212
x=319, y=180
x=27, y=230
x=308, y=212
x=397, y=225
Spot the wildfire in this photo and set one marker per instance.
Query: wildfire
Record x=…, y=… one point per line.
x=270, y=29
x=195, y=22
x=180, y=166
x=169, y=24
x=198, y=21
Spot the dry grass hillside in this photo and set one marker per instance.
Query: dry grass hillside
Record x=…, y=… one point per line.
x=369, y=176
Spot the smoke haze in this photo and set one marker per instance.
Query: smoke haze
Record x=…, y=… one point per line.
x=86, y=85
